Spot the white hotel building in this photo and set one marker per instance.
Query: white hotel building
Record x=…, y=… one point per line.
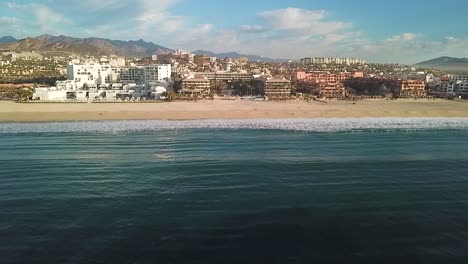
x=100, y=80
x=99, y=74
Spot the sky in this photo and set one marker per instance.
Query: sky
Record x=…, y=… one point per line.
x=400, y=31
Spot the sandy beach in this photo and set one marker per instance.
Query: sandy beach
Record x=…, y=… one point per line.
x=219, y=109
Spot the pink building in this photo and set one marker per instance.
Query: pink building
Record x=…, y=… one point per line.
x=319, y=77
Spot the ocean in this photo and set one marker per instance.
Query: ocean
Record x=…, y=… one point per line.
x=389, y=190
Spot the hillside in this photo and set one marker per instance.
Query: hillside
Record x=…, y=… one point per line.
x=86, y=46
x=446, y=63
x=7, y=39
x=236, y=55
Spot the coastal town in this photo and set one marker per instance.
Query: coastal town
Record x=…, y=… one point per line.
x=183, y=76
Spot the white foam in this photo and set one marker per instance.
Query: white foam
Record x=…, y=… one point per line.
x=307, y=125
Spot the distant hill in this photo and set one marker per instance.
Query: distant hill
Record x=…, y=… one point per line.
x=86, y=46
x=236, y=55
x=446, y=63
x=7, y=39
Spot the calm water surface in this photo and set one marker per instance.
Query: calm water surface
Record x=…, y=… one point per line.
x=234, y=196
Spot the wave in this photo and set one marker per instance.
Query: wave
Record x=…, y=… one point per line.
x=306, y=125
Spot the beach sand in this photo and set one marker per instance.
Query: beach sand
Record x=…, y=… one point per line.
x=220, y=109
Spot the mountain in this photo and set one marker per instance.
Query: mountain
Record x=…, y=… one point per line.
x=7, y=39
x=86, y=46
x=236, y=55
x=446, y=63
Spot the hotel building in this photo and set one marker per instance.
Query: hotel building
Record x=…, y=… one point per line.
x=331, y=85
x=224, y=76
x=317, y=60
x=332, y=90
x=99, y=74
x=195, y=86
x=413, y=88
x=102, y=81
x=277, y=87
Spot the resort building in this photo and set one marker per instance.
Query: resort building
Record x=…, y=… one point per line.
x=89, y=74
x=103, y=73
x=277, y=87
x=195, y=86
x=331, y=85
x=413, y=88
x=128, y=75
x=224, y=76
x=348, y=61
x=101, y=81
x=157, y=73
x=331, y=90
x=318, y=77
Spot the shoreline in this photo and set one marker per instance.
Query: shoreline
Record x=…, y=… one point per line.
x=229, y=110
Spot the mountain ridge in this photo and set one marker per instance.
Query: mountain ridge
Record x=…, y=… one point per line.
x=93, y=46
x=86, y=46
x=446, y=63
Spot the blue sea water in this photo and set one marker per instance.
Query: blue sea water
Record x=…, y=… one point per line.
x=284, y=191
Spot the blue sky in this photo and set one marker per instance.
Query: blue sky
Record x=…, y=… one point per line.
x=379, y=31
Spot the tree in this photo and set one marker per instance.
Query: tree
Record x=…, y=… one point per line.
x=177, y=85
x=24, y=94
x=218, y=86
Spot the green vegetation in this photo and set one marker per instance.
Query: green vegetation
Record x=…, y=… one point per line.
x=373, y=87
x=31, y=70
x=24, y=94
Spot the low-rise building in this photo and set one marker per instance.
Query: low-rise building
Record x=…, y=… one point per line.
x=277, y=87
x=332, y=90
x=224, y=76
x=318, y=77
x=195, y=86
x=413, y=88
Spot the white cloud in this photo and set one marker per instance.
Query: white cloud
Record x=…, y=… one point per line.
x=46, y=19
x=403, y=37
x=410, y=49
x=281, y=33
x=302, y=20
x=102, y=4
x=252, y=29
x=287, y=33
x=155, y=17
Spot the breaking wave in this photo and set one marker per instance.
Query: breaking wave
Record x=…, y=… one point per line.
x=306, y=125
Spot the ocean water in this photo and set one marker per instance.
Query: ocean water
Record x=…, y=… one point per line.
x=242, y=191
